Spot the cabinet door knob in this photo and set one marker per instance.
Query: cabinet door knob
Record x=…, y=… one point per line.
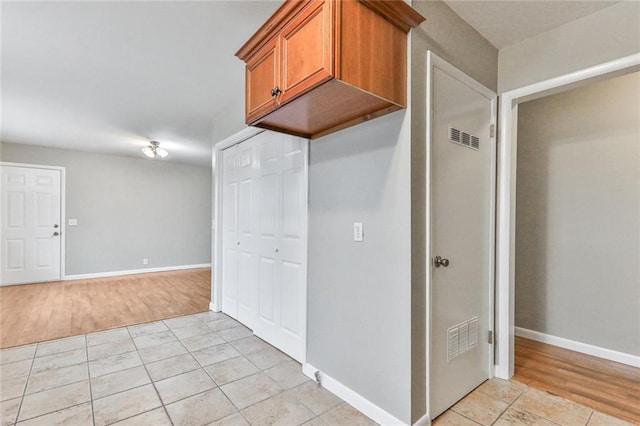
x=275, y=91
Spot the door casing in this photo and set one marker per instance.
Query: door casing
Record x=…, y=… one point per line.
x=435, y=61
x=63, y=198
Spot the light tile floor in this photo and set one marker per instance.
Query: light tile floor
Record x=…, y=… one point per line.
x=192, y=370
x=502, y=402
x=209, y=369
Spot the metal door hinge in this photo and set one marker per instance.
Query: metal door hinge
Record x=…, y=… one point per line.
x=491, y=337
x=492, y=131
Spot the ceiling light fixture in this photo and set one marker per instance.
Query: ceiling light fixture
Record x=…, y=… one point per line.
x=154, y=150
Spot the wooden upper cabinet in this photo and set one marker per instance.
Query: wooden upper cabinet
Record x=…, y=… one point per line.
x=317, y=66
x=262, y=76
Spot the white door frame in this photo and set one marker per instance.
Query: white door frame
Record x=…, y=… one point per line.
x=434, y=60
x=216, y=271
x=63, y=203
x=506, y=201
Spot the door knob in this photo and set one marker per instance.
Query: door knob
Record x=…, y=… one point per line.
x=440, y=261
x=55, y=226
x=55, y=234
x=277, y=250
x=275, y=91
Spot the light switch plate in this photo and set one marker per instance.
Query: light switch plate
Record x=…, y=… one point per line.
x=73, y=222
x=358, y=232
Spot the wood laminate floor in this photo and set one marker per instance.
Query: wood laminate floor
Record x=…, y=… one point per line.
x=602, y=385
x=37, y=312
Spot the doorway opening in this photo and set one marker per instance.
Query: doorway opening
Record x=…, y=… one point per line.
x=577, y=280
x=576, y=161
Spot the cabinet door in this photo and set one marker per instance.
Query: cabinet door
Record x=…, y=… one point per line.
x=307, y=49
x=262, y=78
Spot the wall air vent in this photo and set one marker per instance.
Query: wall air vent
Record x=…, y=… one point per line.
x=454, y=135
x=475, y=142
x=463, y=138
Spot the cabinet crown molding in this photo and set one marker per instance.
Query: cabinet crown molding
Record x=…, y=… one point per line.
x=398, y=12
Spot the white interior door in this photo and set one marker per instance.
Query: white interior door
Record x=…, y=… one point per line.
x=31, y=213
x=265, y=238
x=283, y=243
x=462, y=232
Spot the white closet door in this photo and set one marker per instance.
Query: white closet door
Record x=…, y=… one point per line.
x=248, y=201
x=230, y=242
x=282, y=243
x=264, y=218
x=292, y=248
x=269, y=148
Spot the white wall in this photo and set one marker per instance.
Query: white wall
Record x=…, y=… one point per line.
x=608, y=34
x=578, y=215
x=128, y=209
x=359, y=312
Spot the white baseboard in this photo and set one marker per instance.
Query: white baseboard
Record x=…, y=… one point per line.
x=584, y=348
x=423, y=421
x=134, y=271
x=353, y=398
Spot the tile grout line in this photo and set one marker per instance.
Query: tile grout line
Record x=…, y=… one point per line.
x=26, y=384
x=56, y=387
x=260, y=370
x=282, y=390
x=93, y=415
x=589, y=419
x=53, y=412
x=238, y=410
x=205, y=371
x=508, y=406
x=149, y=375
x=462, y=415
x=526, y=389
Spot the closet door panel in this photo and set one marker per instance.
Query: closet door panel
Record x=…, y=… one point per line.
x=230, y=232
x=291, y=293
x=247, y=232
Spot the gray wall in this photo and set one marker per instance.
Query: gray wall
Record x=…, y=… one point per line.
x=128, y=209
x=359, y=308
x=451, y=38
x=608, y=34
x=578, y=215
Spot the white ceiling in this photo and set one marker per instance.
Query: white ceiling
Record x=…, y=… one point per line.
x=504, y=23
x=110, y=76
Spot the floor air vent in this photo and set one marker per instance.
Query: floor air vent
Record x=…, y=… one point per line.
x=463, y=138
